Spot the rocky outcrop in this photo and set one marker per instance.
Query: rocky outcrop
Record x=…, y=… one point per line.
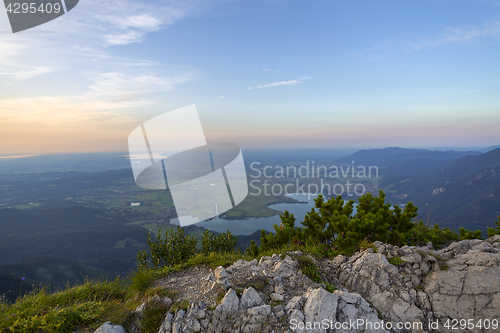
x=381, y=289
x=469, y=287
x=423, y=286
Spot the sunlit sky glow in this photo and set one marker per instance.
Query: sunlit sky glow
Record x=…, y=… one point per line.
x=263, y=74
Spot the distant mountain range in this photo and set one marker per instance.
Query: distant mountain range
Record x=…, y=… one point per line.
x=395, y=155
x=453, y=188
x=487, y=149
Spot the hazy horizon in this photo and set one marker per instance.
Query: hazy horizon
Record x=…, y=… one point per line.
x=352, y=149
x=278, y=74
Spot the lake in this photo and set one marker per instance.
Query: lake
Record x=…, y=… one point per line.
x=250, y=225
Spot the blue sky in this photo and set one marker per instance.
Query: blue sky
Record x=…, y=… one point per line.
x=276, y=74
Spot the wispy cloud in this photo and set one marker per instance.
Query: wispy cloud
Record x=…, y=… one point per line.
x=117, y=86
x=221, y=97
x=282, y=83
x=125, y=38
x=141, y=21
x=266, y=70
x=458, y=34
x=15, y=64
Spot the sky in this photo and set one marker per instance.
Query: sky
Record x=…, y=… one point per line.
x=262, y=74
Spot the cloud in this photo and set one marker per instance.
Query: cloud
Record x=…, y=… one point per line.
x=87, y=43
x=282, y=83
x=109, y=95
x=142, y=21
x=87, y=33
x=118, y=86
x=264, y=69
x=124, y=39
x=221, y=97
x=457, y=34
x=15, y=64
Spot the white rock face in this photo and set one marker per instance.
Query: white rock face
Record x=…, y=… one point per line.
x=295, y=303
x=283, y=269
x=352, y=307
x=459, y=281
x=260, y=310
x=230, y=302
x=470, y=287
x=250, y=298
x=320, y=305
x=110, y=328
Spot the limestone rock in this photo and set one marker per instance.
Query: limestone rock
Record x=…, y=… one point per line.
x=320, y=305
x=259, y=310
x=107, y=327
x=295, y=303
x=230, y=302
x=222, y=280
x=250, y=298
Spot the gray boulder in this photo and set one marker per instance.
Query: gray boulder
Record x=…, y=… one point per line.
x=107, y=327
x=250, y=298
x=230, y=302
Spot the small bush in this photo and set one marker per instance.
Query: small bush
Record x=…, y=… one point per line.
x=495, y=231
x=177, y=247
x=467, y=234
x=422, y=234
x=222, y=243
x=332, y=227
x=285, y=234
x=253, y=249
x=330, y=288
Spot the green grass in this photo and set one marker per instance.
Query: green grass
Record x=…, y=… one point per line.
x=443, y=266
x=182, y=305
x=396, y=261
x=87, y=305
x=152, y=319
x=220, y=296
x=257, y=286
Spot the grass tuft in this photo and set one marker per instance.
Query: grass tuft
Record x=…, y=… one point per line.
x=396, y=261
